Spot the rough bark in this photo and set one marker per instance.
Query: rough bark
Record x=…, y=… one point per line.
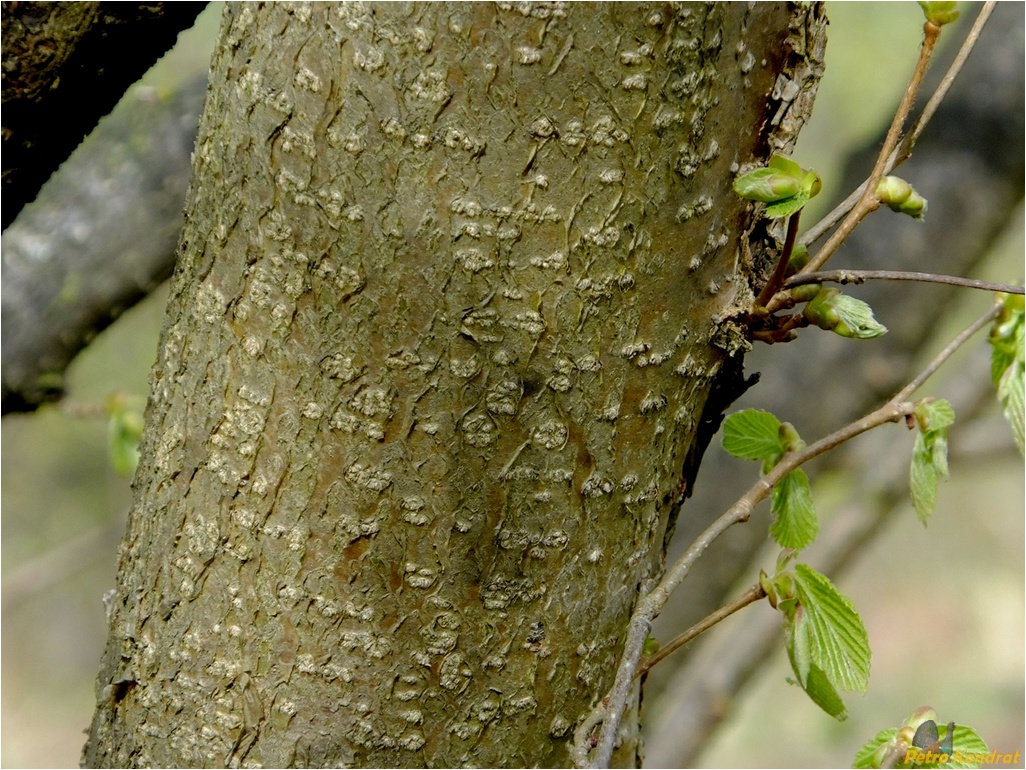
x=65, y=65
x=455, y=284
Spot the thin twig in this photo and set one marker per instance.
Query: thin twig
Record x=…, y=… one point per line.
x=777, y=279
x=861, y=276
x=867, y=201
x=904, y=150
x=750, y=596
x=649, y=606
x=946, y=353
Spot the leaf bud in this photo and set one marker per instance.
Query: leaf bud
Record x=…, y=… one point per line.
x=900, y=196
x=806, y=291
x=843, y=315
x=920, y=715
x=939, y=13
x=799, y=257
x=766, y=185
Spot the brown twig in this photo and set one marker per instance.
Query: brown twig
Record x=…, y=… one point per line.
x=904, y=150
x=777, y=279
x=750, y=596
x=861, y=276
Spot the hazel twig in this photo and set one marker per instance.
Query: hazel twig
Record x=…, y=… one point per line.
x=611, y=709
x=861, y=276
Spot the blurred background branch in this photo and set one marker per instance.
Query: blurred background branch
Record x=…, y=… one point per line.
x=65, y=65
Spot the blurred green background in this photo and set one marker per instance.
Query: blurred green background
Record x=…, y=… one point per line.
x=64, y=508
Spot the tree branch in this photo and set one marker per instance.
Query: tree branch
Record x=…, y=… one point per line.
x=65, y=66
x=904, y=151
x=861, y=276
x=652, y=603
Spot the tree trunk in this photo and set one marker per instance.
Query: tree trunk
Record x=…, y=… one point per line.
x=455, y=285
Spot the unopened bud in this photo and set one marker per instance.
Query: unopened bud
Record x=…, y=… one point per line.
x=939, y=13
x=766, y=185
x=900, y=196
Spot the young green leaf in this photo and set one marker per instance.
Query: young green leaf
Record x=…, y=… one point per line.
x=839, y=642
x=767, y=185
x=930, y=454
x=752, y=434
x=844, y=315
x=784, y=185
x=873, y=752
x=794, y=516
x=893, y=747
x=811, y=677
x=1007, y=363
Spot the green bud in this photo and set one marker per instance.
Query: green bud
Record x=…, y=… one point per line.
x=650, y=647
x=900, y=196
x=915, y=206
x=920, y=715
x=789, y=438
x=799, y=257
x=820, y=312
x=806, y=291
x=766, y=185
x=843, y=315
x=939, y=13
x=893, y=190
x=812, y=184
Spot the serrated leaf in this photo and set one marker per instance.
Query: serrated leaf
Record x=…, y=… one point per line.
x=856, y=319
x=752, y=434
x=929, y=454
x=934, y=414
x=810, y=677
x=867, y=755
x=799, y=645
x=795, y=524
x=824, y=695
x=923, y=480
x=788, y=206
x=839, y=642
x=1013, y=401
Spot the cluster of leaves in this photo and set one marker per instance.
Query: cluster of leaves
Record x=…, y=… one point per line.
x=785, y=188
x=920, y=742
x=827, y=643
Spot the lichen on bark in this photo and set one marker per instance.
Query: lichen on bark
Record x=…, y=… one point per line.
x=450, y=301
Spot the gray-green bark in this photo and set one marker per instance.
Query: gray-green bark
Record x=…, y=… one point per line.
x=455, y=284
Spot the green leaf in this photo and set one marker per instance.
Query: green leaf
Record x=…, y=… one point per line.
x=795, y=524
x=839, y=644
x=844, y=315
x=923, y=479
x=788, y=206
x=930, y=454
x=1008, y=360
x=752, y=434
x=123, y=431
x=766, y=185
x=811, y=677
x=1013, y=401
x=968, y=749
x=872, y=751
x=857, y=319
